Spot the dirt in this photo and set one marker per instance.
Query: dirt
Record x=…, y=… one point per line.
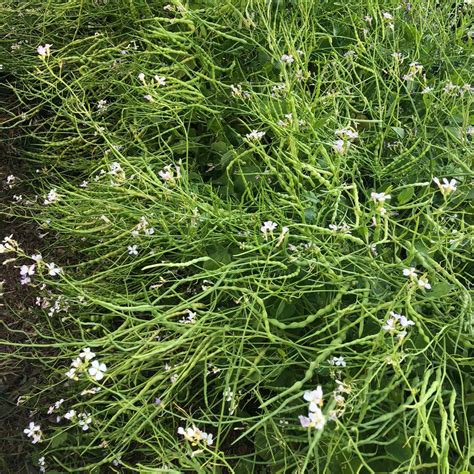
x=17, y=325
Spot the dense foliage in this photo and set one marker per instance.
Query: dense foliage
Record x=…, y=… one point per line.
x=243, y=201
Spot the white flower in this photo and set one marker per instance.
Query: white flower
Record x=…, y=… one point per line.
x=97, y=370
x=9, y=245
x=77, y=363
x=71, y=374
x=141, y=77
x=287, y=58
x=70, y=414
x=314, y=419
x=208, y=438
x=339, y=228
x=91, y=391
x=339, y=399
x=11, y=180
x=341, y=146
x=342, y=387
x=51, y=197
x=148, y=97
x=194, y=435
x=347, y=133
x=53, y=269
x=44, y=51
x=170, y=174
x=101, y=104
x=387, y=16
x=55, y=406
x=390, y=325
x=115, y=169
x=33, y=431
x=42, y=464
x=380, y=197
x=423, y=283
x=160, y=80
x=84, y=420
x=409, y=272
x=446, y=187
x=237, y=91
x=190, y=318
x=315, y=398
x=405, y=322
x=228, y=394
x=132, y=250
x=255, y=135
x=27, y=270
x=268, y=227
x=37, y=257
x=426, y=90
x=87, y=354
x=338, y=361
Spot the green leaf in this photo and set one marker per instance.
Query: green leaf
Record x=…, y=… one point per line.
x=440, y=289
x=220, y=256
x=59, y=439
x=219, y=147
x=399, y=451
x=309, y=215
x=405, y=195
x=399, y=131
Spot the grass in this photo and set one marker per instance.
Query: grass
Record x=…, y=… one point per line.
x=201, y=317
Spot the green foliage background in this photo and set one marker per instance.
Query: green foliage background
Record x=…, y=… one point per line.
x=270, y=313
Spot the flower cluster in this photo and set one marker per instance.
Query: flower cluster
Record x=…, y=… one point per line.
x=160, y=81
x=11, y=181
x=279, y=90
x=27, y=271
x=101, y=105
x=338, y=361
x=315, y=418
x=422, y=282
x=454, y=89
x=267, y=228
x=195, y=436
x=397, y=324
x=344, y=228
x=190, y=318
x=379, y=200
x=44, y=51
x=86, y=362
x=388, y=20
x=51, y=197
x=170, y=173
x=55, y=406
x=83, y=419
x=237, y=91
x=345, y=137
x=287, y=58
x=446, y=186
x=341, y=390
x=117, y=173
x=42, y=464
x=34, y=432
x=414, y=69
x=144, y=226
x=9, y=245
x=255, y=136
